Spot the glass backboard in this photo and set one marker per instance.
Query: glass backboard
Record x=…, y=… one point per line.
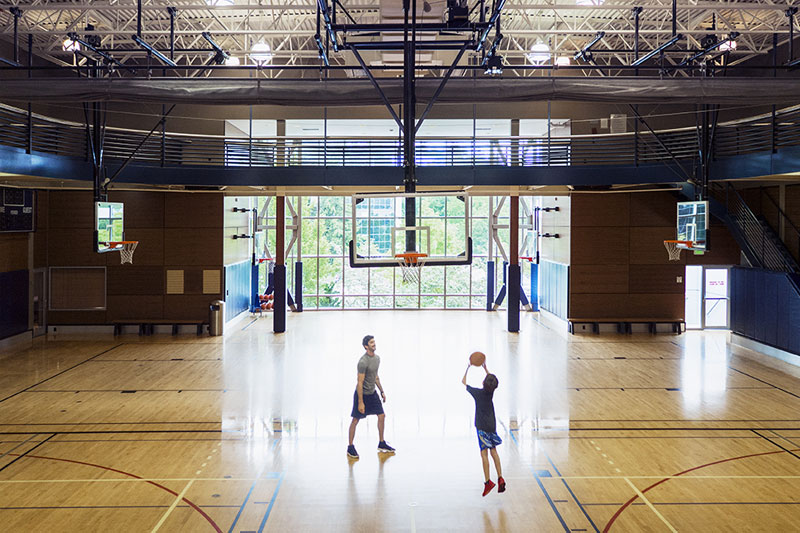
x=108, y=224
x=693, y=224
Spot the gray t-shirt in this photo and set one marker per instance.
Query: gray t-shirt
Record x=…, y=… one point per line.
x=369, y=367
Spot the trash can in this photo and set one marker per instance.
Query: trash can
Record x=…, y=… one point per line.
x=216, y=318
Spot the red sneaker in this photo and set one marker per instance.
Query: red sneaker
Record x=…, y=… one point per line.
x=501, y=484
x=487, y=487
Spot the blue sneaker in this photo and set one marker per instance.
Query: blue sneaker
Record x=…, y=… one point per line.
x=385, y=448
x=351, y=451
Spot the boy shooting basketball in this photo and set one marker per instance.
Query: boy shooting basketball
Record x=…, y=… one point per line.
x=485, y=424
x=365, y=398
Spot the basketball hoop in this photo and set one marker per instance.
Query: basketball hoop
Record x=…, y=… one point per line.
x=411, y=264
x=125, y=249
x=674, y=248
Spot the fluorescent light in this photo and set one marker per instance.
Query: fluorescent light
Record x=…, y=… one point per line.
x=563, y=61
x=232, y=61
x=261, y=53
x=589, y=2
x=220, y=3
x=539, y=54
x=727, y=45
x=70, y=46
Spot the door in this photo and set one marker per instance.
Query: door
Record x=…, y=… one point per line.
x=716, y=306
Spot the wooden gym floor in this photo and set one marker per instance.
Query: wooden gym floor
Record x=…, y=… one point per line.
x=248, y=432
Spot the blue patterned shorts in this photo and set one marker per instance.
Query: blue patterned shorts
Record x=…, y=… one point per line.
x=488, y=440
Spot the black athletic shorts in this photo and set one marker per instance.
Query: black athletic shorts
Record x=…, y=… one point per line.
x=372, y=405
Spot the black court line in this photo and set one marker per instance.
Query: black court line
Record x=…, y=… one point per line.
x=102, y=424
x=672, y=389
x=250, y=324
x=114, y=432
x=62, y=372
x=793, y=454
x=787, y=439
x=625, y=358
x=18, y=445
x=20, y=456
x=106, y=507
x=763, y=381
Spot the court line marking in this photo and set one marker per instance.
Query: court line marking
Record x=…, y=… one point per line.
x=275, y=475
x=172, y=507
x=62, y=372
x=654, y=485
x=271, y=504
x=651, y=506
x=574, y=497
x=764, y=381
x=776, y=444
x=541, y=485
x=21, y=455
x=134, y=476
x=20, y=444
x=253, y=486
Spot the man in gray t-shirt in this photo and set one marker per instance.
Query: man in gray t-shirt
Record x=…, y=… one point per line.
x=365, y=398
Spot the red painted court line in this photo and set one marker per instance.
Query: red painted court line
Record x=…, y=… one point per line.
x=162, y=487
x=654, y=485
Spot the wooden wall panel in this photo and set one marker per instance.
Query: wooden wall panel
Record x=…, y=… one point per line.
x=188, y=306
x=83, y=318
x=135, y=307
x=193, y=280
x=40, y=236
x=600, y=245
x=135, y=280
x=647, y=245
x=13, y=251
x=188, y=210
x=193, y=246
x=598, y=279
x=73, y=247
x=142, y=209
x=653, y=209
x=792, y=238
x=657, y=279
x=71, y=209
x=600, y=210
x=651, y=306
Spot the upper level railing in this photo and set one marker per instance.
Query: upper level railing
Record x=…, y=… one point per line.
x=47, y=135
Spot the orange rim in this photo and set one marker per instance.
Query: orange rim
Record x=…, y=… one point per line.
x=410, y=257
x=687, y=243
x=114, y=244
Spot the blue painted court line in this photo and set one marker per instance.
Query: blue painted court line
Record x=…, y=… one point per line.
x=564, y=481
x=250, y=492
x=550, y=501
x=271, y=503
x=250, y=324
x=541, y=486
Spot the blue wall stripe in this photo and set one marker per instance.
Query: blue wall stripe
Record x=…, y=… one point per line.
x=765, y=306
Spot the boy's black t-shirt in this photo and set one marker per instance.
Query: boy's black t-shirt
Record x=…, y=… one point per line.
x=484, y=409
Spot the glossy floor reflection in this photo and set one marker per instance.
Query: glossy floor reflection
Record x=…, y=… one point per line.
x=248, y=432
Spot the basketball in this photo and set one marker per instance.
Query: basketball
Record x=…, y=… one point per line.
x=264, y=305
x=477, y=358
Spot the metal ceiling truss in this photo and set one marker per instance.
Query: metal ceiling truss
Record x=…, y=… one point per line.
x=148, y=32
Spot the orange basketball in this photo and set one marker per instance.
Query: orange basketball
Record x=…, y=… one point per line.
x=270, y=297
x=477, y=358
x=264, y=305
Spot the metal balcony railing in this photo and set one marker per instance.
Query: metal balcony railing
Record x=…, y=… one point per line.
x=51, y=136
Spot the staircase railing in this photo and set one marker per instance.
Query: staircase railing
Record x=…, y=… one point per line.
x=755, y=236
x=795, y=236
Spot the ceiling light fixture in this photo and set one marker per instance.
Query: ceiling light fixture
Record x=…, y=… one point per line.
x=539, y=54
x=261, y=53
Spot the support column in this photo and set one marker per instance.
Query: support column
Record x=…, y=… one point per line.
x=514, y=277
x=279, y=308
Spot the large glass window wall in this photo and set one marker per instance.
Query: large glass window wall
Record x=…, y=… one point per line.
x=330, y=283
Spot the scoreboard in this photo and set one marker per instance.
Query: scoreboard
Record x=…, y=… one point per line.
x=17, y=212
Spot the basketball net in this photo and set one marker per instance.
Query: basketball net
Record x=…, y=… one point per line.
x=126, y=252
x=411, y=266
x=673, y=250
